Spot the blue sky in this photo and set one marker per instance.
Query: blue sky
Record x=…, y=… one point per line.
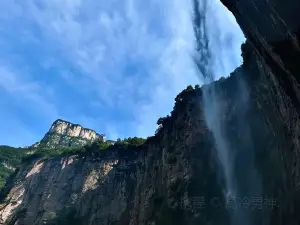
x=113, y=66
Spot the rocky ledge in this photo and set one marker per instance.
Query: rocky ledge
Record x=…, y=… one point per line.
x=66, y=134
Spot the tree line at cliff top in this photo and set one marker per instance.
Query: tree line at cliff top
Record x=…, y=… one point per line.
x=11, y=158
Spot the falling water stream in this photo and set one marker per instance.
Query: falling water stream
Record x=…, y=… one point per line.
x=212, y=109
x=213, y=113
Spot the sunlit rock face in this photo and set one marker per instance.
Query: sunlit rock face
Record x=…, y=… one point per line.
x=66, y=134
x=175, y=178
x=158, y=183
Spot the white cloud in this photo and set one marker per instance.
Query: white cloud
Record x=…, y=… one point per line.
x=225, y=38
x=124, y=53
x=15, y=83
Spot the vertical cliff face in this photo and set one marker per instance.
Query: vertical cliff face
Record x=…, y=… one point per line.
x=175, y=177
x=162, y=182
x=65, y=134
x=272, y=29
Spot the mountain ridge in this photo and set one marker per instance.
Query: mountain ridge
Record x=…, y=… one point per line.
x=63, y=133
x=58, y=136
x=175, y=178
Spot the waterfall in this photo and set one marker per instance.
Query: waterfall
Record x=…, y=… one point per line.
x=212, y=110
x=213, y=115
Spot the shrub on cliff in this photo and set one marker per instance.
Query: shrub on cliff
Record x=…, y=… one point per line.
x=135, y=141
x=163, y=122
x=10, y=158
x=98, y=146
x=128, y=143
x=180, y=96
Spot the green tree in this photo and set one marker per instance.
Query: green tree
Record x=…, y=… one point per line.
x=189, y=88
x=160, y=121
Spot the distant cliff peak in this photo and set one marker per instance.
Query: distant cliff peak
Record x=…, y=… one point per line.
x=66, y=134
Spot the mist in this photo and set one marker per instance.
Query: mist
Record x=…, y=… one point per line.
x=210, y=63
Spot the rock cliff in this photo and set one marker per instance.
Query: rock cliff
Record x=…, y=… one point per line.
x=65, y=134
x=272, y=29
x=154, y=183
x=175, y=177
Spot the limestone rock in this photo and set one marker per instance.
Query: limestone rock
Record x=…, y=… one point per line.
x=66, y=134
x=175, y=177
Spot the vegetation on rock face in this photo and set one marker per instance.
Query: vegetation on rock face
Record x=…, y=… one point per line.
x=98, y=146
x=122, y=147
x=222, y=78
x=135, y=141
x=65, y=217
x=10, y=158
x=62, y=140
x=180, y=102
